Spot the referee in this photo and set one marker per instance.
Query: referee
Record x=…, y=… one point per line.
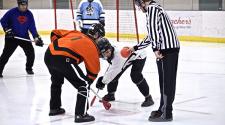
x=165, y=45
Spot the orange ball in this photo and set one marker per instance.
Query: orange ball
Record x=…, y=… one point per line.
x=125, y=52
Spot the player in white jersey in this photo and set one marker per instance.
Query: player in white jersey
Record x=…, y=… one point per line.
x=117, y=66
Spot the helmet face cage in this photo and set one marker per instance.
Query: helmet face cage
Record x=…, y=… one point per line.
x=103, y=45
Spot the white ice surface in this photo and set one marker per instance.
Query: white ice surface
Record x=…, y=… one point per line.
x=24, y=99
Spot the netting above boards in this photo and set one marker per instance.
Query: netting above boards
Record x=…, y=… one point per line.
x=119, y=18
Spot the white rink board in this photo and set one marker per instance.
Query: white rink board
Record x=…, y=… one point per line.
x=187, y=23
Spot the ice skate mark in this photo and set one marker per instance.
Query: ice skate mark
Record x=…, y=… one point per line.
x=55, y=120
x=190, y=100
x=119, y=112
x=203, y=61
x=124, y=102
x=24, y=76
x=105, y=123
x=64, y=117
x=202, y=73
x=191, y=73
x=197, y=112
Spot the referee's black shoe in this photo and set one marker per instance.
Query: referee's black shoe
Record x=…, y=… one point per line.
x=158, y=116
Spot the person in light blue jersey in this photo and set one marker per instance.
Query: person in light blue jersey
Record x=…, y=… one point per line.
x=90, y=12
x=17, y=22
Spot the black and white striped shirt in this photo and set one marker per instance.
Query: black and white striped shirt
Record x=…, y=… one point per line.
x=161, y=33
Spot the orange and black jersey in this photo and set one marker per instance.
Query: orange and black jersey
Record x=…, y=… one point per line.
x=77, y=46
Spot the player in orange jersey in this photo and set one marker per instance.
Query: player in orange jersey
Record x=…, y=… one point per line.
x=63, y=56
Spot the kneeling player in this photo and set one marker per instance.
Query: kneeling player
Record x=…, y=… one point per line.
x=118, y=65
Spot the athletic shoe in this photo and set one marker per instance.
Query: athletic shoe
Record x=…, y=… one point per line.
x=84, y=118
x=158, y=116
x=148, y=101
x=58, y=111
x=109, y=97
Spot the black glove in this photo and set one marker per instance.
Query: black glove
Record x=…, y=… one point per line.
x=99, y=83
x=9, y=33
x=102, y=22
x=38, y=41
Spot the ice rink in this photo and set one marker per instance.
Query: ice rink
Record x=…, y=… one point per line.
x=24, y=99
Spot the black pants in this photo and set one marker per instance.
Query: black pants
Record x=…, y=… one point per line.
x=10, y=46
x=167, y=70
x=60, y=68
x=136, y=77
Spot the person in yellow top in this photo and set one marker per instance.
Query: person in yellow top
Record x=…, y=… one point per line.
x=62, y=58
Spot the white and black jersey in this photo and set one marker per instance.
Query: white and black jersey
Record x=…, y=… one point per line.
x=161, y=33
x=119, y=64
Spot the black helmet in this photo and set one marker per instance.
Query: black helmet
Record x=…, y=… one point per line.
x=90, y=0
x=139, y=4
x=96, y=28
x=103, y=45
x=22, y=2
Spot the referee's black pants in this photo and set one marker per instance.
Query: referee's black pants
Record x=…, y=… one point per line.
x=61, y=67
x=167, y=70
x=10, y=46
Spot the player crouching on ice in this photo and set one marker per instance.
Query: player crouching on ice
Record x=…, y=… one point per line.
x=62, y=58
x=118, y=65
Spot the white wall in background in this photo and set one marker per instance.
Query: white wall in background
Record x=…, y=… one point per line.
x=186, y=23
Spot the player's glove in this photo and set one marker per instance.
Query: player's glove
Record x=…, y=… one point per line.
x=102, y=22
x=80, y=23
x=100, y=85
x=38, y=41
x=9, y=33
